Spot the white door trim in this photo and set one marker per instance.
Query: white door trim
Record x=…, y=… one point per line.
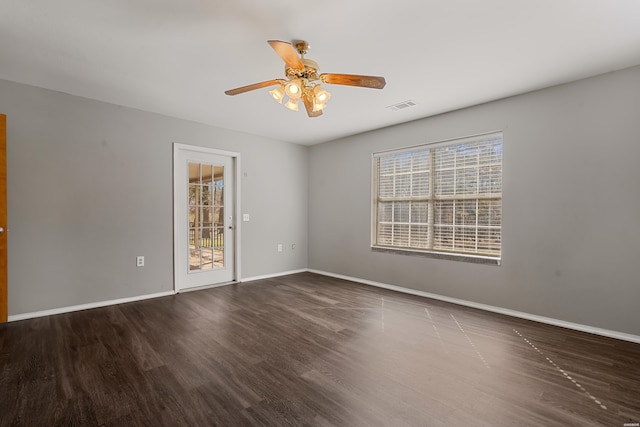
x=237, y=197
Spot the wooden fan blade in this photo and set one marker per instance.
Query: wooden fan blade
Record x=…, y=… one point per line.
x=308, y=104
x=288, y=54
x=373, y=82
x=254, y=86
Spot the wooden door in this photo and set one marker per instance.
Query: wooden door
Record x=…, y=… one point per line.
x=3, y=218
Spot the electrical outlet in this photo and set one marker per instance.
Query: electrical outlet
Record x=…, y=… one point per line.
x=245, y=217
x=280, y=247
x=139, y=261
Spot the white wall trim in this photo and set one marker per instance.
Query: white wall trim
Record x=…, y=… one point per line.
x=88, y=306
x=99, y=304
x=271, y=276
x=550, y=321
x=508, y=312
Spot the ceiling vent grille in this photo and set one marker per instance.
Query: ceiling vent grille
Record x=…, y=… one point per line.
x=402, y=105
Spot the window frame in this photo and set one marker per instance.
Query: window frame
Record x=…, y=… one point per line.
x=431, y=222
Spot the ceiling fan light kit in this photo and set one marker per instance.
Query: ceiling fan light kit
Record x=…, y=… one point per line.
x=292, y=104
x=293, y=88
x=304, y=82
x=278, y=94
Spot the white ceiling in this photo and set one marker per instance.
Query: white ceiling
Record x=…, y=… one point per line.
x=177, y=57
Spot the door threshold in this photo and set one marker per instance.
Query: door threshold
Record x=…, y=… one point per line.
x=200, y=288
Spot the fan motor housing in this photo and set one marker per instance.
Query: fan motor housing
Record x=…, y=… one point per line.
x=310, y=63
x=310, y=70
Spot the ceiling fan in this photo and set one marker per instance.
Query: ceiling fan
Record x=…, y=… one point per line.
x=303, y=81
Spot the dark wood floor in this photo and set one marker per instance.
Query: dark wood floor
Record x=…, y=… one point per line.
x=309, y=350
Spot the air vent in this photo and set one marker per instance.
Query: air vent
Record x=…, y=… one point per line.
x=402, y=106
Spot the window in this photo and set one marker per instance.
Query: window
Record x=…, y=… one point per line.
x=443, y=198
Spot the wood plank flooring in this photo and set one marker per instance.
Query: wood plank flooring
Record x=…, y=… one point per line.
x=308, y=350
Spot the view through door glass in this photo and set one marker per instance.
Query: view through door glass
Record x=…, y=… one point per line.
x=206, y=216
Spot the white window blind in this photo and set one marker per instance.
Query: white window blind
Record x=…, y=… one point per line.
x=444, y=197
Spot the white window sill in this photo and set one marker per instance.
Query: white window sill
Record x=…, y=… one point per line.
x=476, y=259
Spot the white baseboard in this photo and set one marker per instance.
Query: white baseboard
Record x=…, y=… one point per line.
x=569, y=325
x=491, y=308
x=80, y=307
x=271, y=276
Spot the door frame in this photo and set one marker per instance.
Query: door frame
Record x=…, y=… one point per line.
x=236, y=196
x=4, y=284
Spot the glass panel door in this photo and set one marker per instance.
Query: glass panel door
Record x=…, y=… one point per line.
x=204, y=205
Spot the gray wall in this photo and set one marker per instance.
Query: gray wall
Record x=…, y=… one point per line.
x=571, y=208
x=90, y=187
